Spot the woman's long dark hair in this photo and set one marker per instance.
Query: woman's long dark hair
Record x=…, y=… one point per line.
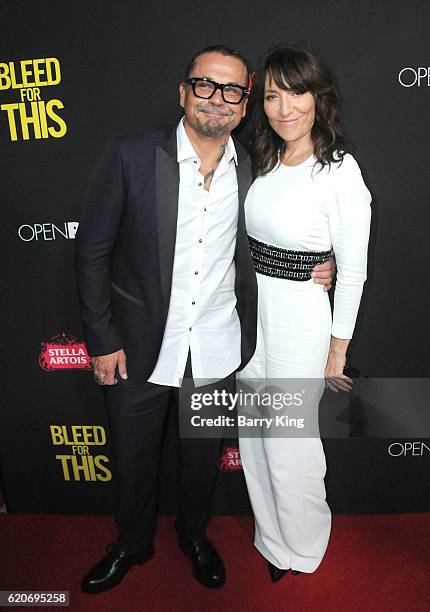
x=294, y=66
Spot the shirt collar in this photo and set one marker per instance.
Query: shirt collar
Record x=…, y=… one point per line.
x=186, y=150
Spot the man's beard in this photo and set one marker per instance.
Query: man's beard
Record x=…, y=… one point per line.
x=210, y=127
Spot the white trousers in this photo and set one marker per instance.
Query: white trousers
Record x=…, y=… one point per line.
x=285, y=480
x=285, y=475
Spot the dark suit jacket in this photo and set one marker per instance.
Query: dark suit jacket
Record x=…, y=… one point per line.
x=126, y=244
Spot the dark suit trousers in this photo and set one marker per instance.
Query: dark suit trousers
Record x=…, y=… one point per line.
x=136, y=417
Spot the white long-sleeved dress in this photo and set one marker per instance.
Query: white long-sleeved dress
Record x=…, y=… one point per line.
x=301, y=209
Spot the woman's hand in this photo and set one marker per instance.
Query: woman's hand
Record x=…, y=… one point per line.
x=335, y=378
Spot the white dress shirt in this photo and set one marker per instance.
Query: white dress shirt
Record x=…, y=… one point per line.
x=202, y=315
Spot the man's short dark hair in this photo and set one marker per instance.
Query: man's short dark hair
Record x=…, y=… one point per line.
x=224, y=50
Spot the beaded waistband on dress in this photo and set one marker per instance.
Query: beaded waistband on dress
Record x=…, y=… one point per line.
x=271, y=260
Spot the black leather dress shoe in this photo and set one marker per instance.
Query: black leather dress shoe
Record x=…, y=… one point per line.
x=110, y=570
x=275, y=573
x=208, y=567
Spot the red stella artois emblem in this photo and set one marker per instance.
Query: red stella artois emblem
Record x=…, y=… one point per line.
x=230, y=459
x=64, y=352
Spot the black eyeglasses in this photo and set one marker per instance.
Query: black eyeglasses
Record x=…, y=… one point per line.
x=205, y=88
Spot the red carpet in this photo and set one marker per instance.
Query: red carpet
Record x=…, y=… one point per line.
x=372, y=563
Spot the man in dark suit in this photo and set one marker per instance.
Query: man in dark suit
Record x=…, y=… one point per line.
x=168, y=292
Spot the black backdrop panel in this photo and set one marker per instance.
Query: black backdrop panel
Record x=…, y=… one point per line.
x=103, y=68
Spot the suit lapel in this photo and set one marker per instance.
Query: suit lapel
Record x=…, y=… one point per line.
x=243, y=173
x=166, y=197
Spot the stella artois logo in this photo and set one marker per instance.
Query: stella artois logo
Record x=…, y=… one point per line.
x=230, y=459
x=64, y=352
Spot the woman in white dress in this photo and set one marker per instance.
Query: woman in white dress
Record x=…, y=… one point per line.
x=308, y=198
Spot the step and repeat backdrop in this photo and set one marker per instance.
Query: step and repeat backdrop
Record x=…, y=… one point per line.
x=74, y=74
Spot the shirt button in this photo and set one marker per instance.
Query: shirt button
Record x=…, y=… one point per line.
x=196, y=272
x=199, y=184
x=204, y=209
x=200, y=240
x=190, y=328
x=195, y=161
x=193, y=302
